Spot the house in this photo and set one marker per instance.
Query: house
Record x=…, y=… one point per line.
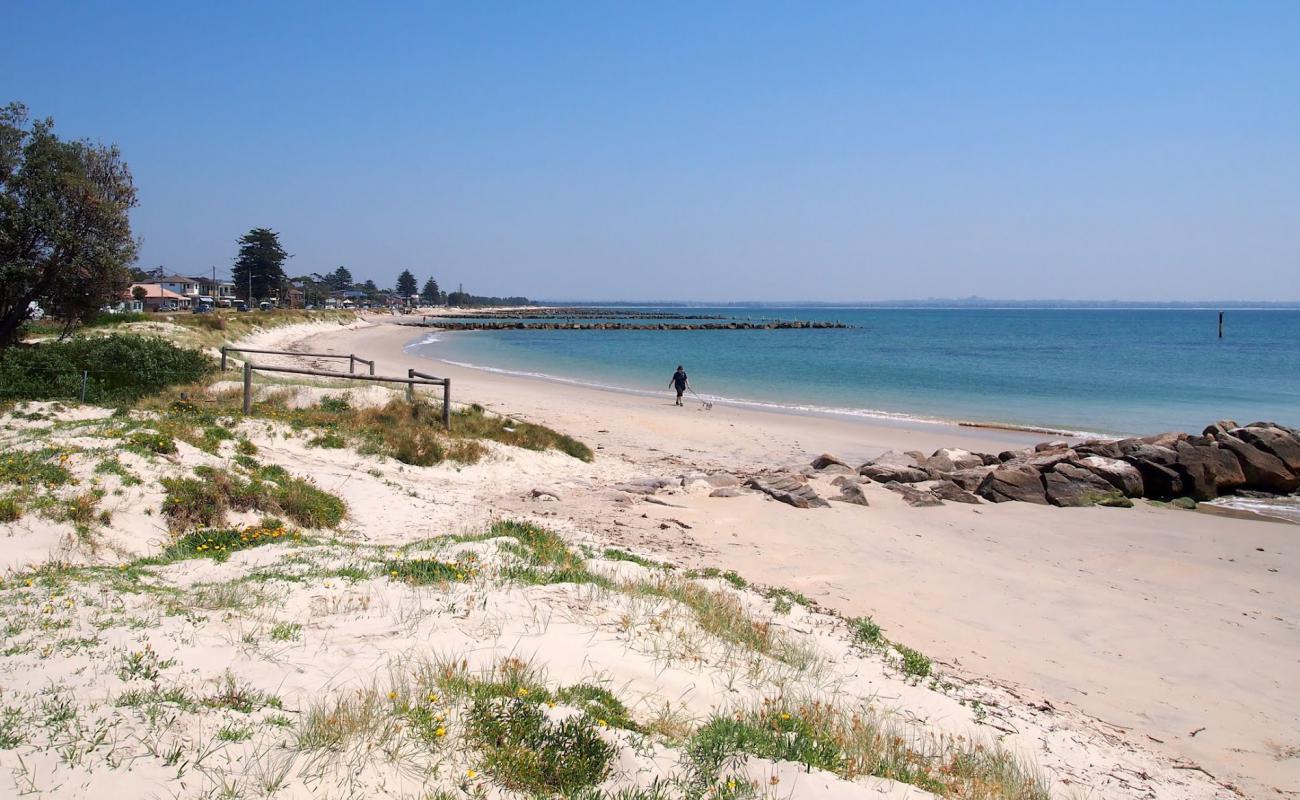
x=178, y=284
x=157, y=297
x=221, y=293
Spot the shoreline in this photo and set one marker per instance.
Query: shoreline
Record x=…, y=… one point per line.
x=863, y=415
x=1156, y=620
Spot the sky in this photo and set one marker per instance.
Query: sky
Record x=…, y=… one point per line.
x=700, y=151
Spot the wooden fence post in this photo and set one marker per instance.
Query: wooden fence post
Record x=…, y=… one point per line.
x=223, y=358
x=352, y=363
x=410, y=387
x=446, y=404
x=248, y=388
x=84, y=375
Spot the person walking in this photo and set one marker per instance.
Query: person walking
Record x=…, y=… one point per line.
x=680, y=382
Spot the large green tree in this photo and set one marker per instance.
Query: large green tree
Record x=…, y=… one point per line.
x=339, y=279
x=430, y=293
x=260, y=263
x=65, y=229
x=406, y=285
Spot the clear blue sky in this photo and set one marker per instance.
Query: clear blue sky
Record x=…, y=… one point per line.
x=701, y=151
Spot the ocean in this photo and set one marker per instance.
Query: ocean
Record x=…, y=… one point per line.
x=1109, y=372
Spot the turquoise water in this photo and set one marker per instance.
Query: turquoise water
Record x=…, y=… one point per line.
x=1106, y=371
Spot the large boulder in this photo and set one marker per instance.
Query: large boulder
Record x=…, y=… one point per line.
x=1160, y=479
x=913, y=496
x=1263, y=470
x=1222, y=426
x=1123, y=476
x=968, y=479
x=1095, y=447
x=892, y=466
x=851, y=493
x=951, y=459
x=788, y=490
x=1021, y=482
x=947, y=490
x=1207, y=469
x=825, y=460
x=1275, y=441
x=1070, y=485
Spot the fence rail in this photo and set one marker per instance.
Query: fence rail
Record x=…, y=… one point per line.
x=411, y=380
x=352, y=358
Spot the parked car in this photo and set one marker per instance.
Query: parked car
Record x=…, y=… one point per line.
x=201, y=308
x=264, y=306
x=241, y=306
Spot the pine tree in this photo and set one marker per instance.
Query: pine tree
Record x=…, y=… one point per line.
x=260, y=264
x=406, y=285
x=431, y=294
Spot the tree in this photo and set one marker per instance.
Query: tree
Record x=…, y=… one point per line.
x=261, y=261
x=371, y=290
x=406, y=285
x=139, y=293
x=65, y=230
x=339, y=279
x=430, y=293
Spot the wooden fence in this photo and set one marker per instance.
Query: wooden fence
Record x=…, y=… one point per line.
x=411, y=380
x=352, y=358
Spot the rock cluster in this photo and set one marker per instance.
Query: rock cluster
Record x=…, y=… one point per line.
x=1225, y=458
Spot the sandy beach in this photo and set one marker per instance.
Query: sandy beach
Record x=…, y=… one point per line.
x=1177, y=629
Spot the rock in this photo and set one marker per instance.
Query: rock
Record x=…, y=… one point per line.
x=1264, y=471
x=1046, y=461
x=1120, y=474
x=1186, y=503
x=696, y=482
x=727, y=491
x=1043, y=447
x=788, y=490
x=1096, y=448
x=1168, y=439
x=845, y=480
x=1275, y=441
x=614, y=496
x=825, y=460
x=989, y=460
x=913, y=496
x=892, y=466
x=645, y=485
x=541, y=493
x=951, y=459
x=948, y=490
x=1207, y=469
x=1012, y=455
x=1020, y=482
x=1160, y=481
x=852, y=493
x=1115, y=501
x=968, y=479
x=1070, y=485
x=1222, y=426
x=837, y=469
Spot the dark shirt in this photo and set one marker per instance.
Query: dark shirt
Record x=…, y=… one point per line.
x=679, y=379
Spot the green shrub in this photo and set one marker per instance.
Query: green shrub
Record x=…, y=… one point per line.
x=425, y=571
x=121, y=368
x=42, y=467
x=151, y=442
x=866, y=633
x=219, y=544
x=10, y=510
x=525, y=752
x=776, y=734
x=598, y=703
x=915, y=663
x=202, y=502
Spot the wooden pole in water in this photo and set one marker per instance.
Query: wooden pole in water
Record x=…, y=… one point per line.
x=1220, y=324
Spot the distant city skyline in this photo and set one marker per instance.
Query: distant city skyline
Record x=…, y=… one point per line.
x=762, y=151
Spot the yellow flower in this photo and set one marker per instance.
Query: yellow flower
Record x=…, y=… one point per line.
x=469, y=773
x=440, y=732
x=392, y=695
x=604, y=724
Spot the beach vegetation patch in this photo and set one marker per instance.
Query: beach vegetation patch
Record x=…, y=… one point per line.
x=151, y=442
x=120, y=368
x=10, y=509
x=35, y=468
x=866, y=633
x=914, y=663
x=203, y=501
x=240, y=697
x=430, y=571
x=853, y=743
x=218, y=544
x=525, y=751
